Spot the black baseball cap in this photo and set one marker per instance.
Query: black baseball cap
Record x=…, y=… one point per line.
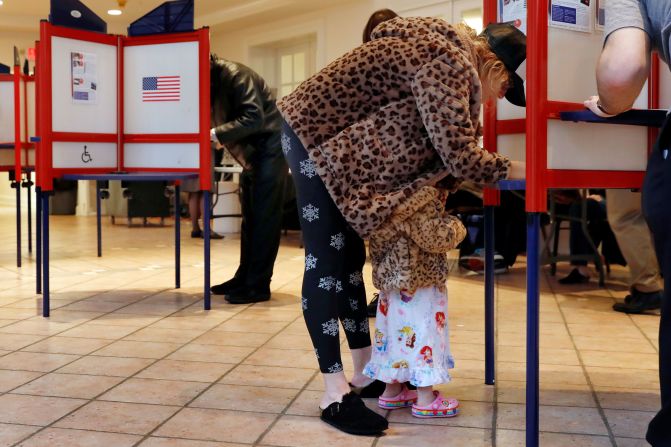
x=510, y=46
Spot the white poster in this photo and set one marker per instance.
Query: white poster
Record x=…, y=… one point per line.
x=515, y=13
x=600, y=19
x=574, y=15
x=84, y=78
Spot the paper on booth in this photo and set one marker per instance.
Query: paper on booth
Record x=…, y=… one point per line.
x=84, y=79
x=573, y=15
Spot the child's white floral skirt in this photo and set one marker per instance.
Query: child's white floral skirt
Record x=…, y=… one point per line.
x=412, y=340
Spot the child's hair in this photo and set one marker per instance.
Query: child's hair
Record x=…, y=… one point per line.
x=490, y=68
x=375, y=19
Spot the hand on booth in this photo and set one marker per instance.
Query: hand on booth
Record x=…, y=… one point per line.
x=594, y=105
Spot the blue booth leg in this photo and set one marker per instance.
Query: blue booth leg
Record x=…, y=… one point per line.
x=45, y=254
x=18, y=221
x=38, y=240
x=490, y=359
x=533, y=315
x=206, y=235
x=30, y=217
x=177, y=240
x=98, y=221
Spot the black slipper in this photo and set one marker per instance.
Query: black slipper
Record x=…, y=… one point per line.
x=354, y=417
x=373, y=389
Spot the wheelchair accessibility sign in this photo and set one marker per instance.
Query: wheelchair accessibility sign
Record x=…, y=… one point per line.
x=86, y=156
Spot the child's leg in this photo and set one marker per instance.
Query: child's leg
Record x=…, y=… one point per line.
x=392, y=389
x=425, y=396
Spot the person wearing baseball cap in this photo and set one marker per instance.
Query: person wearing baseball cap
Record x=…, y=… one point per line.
x=363, y=137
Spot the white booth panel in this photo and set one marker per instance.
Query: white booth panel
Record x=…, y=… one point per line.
x=508, y=111
x=29, y=160
x=6, y=157
x=161, y=89
x=664, y=86
x=98, y=115
x=162, y=155
x=588, y=146
x=84, y=155
x=31, y=102
x=513, y=146
x=6, y=112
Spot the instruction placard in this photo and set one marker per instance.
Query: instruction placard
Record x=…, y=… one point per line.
x=600, y=15
x=84, y=78
x=574, y=15
x=515, y=13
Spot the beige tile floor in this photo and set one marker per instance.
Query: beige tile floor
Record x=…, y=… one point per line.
x=126, y=360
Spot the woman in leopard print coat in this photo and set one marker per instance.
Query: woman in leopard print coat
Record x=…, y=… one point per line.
x=361, y=136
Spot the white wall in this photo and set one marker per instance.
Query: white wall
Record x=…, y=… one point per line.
x=338, y=30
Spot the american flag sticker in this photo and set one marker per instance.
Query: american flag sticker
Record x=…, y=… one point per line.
x=161, y=89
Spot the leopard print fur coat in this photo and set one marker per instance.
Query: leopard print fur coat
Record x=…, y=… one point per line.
x=409, y=250
x=391, y=116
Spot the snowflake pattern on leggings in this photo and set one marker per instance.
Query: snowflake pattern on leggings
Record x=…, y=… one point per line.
x=338, y=241
x=304, y=303
x=349, y=325
x=335, y=368
x=310, y=262
x=308, y=168
x=356, y=278
x=354, y=304
x=327, y=283
x=286, y=143
x=331, y=327
x=310, y=212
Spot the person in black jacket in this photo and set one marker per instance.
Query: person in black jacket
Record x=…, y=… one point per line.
x=246, y=121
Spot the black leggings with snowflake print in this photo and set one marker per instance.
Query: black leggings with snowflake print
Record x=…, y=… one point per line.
x=333, y=288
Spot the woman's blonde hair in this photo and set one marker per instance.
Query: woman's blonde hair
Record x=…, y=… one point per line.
x=490, y=68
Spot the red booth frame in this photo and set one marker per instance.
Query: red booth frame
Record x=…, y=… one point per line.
x=46, y=173
x=22, y=147
x=539, y=109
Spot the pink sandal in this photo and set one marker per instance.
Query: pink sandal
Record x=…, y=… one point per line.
x=406, y=398
x=441, y=407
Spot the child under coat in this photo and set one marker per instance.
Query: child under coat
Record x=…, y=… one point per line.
x=411, y=343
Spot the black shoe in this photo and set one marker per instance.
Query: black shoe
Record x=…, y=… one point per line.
x=639, y=302
x=196, y=234
x=246, y=295
x=373, y=389
x=575, y=277
x=353, y=417
x=226, y=287
x=372, y=306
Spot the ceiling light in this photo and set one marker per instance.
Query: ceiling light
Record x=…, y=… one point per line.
x=112, y=12
x=1, y=2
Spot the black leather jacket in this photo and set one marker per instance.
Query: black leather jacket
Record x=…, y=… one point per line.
x=244, y=113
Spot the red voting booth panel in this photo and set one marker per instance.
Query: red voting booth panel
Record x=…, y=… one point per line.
x=47, y=172
x=540, y=109
x=20, y=111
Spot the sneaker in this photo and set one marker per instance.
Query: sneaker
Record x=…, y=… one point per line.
x=441, y=407
x=475, y=262
x=639, y=302
x=353, y=417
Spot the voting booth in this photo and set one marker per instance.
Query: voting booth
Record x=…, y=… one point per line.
x=123, y=108
x=560, y=143
x=17, y=153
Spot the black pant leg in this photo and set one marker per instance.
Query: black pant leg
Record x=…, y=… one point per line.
x=656, y=197
x=352, y=303
x=263, y=202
